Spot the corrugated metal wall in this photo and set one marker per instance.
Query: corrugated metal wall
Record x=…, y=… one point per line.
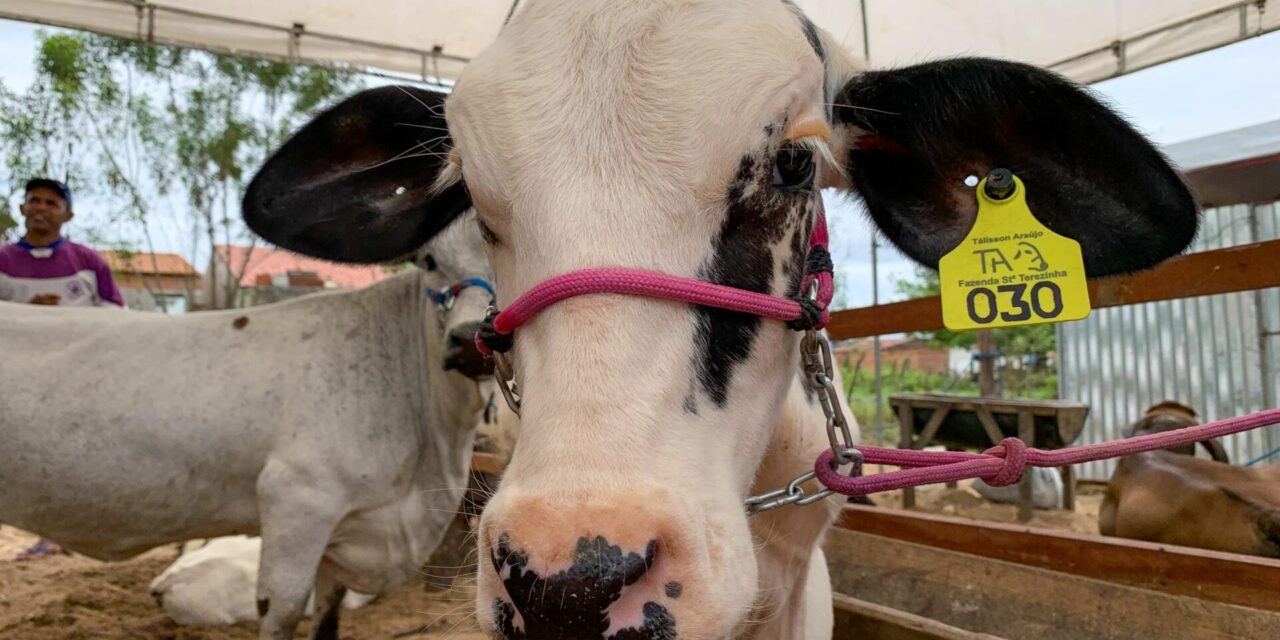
x=1219, y=354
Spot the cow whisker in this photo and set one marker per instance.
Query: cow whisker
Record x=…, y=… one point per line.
x=860, y=108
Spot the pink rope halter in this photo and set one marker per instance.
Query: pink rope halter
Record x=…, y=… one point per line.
x=799, y=313
x=1001, y=465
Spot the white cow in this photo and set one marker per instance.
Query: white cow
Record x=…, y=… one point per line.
x=327, y=424
x=690, y=137
x=214, y=581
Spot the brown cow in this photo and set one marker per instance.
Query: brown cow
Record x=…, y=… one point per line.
x=1173, y=497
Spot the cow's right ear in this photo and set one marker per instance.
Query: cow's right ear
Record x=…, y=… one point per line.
x=358, y=183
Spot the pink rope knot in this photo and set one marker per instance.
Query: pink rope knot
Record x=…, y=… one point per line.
x=1004, y=464
x=1014, y=453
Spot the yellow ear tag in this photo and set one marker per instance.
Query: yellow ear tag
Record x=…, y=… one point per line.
x=1010, y=270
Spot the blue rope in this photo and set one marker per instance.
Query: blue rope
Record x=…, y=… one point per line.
x=1262, y=457
x=443, y=296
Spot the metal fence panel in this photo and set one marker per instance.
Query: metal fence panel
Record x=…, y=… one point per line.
x=1219, y=354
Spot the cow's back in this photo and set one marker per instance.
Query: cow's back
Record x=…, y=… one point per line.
x=154, y=428
x=1178, y=499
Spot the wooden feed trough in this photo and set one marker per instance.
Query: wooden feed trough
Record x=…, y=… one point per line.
x=907, y=576
x=965, y=422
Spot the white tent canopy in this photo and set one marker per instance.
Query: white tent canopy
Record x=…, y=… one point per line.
x=1087, y=40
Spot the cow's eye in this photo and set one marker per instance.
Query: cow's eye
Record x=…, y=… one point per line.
x=429, y=261
x=793, y=168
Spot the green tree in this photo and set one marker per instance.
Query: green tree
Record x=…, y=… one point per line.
x=161, y=130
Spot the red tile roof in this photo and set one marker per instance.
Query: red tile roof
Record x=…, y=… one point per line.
x=166, y=264
x=275, y=262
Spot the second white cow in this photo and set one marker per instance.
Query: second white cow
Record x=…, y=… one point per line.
x=335, y=426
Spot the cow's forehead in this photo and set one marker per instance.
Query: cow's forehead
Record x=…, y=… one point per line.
x=671, y=93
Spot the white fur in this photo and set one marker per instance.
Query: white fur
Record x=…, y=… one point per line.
x=214, y=582
x=593, y=133
x=327, y=424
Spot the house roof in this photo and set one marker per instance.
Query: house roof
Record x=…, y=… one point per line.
x=165, y=264
x=273, y=262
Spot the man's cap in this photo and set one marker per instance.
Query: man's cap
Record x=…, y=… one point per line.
x=49, y=183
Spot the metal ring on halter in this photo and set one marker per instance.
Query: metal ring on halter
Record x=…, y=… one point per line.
x=504, y=374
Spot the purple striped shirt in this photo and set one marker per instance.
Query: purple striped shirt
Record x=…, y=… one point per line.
x=73, y=272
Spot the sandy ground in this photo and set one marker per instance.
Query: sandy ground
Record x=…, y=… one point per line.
x=77, y=598
x=74, y=597
x=965, y=502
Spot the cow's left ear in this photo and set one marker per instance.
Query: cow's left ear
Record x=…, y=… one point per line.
x=911, y=136
x=359, y=183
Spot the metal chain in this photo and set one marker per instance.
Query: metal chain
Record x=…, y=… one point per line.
x=819, y=375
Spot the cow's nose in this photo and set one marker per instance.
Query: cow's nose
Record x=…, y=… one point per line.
x=461, y=354
x=595, y=597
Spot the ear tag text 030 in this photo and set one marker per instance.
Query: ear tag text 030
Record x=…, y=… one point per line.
x=1010, y=270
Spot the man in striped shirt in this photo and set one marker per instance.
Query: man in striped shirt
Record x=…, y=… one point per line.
x=45, y=268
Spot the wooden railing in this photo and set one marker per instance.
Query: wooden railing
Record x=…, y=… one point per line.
x=1242, y=268
x=1210, y=575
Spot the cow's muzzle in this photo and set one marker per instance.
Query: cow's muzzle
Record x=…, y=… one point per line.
x=461, y=355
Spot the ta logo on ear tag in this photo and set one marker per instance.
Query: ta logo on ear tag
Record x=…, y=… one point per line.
x=1011, y=270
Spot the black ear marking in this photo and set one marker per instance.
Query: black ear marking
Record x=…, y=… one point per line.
x=356, y=185
x=920, y=131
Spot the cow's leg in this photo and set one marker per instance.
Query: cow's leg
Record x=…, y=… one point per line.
x=299, y=512
x=329, y=594
x=788, y=537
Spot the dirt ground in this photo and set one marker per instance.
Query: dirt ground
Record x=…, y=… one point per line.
x=74, y=597
x=77, y=598
x=964, y=502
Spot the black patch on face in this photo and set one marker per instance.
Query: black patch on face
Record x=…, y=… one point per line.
x=811, y=34
x=674, y=590
x=264, y=605
x=757, y=219
x=658, y=625
x=572, y=604
x=815, y=40
x=691, y=405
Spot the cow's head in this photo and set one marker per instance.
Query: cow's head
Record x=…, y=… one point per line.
x=1172, y=415
x=459, y=279
x=693, y=138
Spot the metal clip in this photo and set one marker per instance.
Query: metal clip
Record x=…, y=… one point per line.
x=505, y=377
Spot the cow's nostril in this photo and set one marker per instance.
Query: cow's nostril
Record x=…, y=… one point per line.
x=573, y=603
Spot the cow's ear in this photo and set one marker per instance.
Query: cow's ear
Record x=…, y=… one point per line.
x=359, y=183
x=911, y=136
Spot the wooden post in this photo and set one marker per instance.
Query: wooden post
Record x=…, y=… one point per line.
x=953, y=484
x=1026, y=433
x=1069, y=487
x=986, y=365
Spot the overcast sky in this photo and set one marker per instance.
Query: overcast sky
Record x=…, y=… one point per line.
x=1217, y=91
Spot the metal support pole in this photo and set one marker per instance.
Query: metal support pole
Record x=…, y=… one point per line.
x=1264, y=332
x=875, y=343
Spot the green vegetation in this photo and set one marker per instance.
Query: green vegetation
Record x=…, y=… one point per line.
x=1024, y=370
x=154, y=130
